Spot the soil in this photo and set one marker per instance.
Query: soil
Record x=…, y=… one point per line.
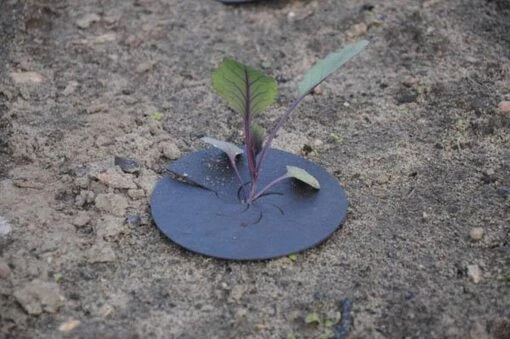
x=411, y=128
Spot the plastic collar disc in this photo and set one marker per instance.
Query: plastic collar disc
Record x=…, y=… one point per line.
x=214, y=222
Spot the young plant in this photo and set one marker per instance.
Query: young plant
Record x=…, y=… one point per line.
x=249, y=92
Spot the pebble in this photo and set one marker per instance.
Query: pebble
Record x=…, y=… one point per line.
x=134, y=220
x=504, y=191
x=110, y=227
x=115, y=178
x=410, y=81
x=476, y=233
x=115, y=204
x=82, y=219
x=96, y=108
x=170, y=150
x=504, y=106
x=70, y=88
x=291, y=16
x=144, y=67
x=100, y=252
x=127, y=165
x=5, y=270
x=85, y=21
x=358, y=30
x=5, y=227
x=69, y=325
x=82, y=182
x=104, y=38
x=39, y=296
x=103, y=141
x=474, y=273
x=26, y=77
x=136, y=194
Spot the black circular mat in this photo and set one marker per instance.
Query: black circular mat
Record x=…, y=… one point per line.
x=208, y=217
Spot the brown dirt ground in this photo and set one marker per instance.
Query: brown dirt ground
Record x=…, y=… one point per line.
x=410, y=128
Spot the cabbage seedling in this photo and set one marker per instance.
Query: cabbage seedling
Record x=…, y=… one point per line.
x=231, y=202
x=249, y=92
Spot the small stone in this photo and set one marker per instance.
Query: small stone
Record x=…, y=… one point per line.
x=85, y=21
x=474, y=273
x=504, y=191
x=82, y=219
x=26, y=77
x=170, y=150
x=317, y=90
x=69, y=325
x=407, y=96
x=5, y=227
x=127, y=165
x=101, y=252
x=80, y=201
x=5, y=270
x=110, y=227
x=410, y=81
x=96, y=108
x=104, y=38
x=265, y=64
x=291, y=16
x=144, y=67
x=82, y=182
x=136, y=193
x=115, y=204
x=70, y=88
x=103, y=141
x=115, y=178
x=39, y=296
x=476, y=233
x=504, y=106
x=134, y=220
x=358, y=30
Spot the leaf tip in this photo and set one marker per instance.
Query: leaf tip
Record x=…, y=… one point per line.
x=302, y=175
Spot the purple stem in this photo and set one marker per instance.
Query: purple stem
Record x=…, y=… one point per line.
x=268, y=186
x=275, y=129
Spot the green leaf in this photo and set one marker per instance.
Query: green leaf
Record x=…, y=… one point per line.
x=313, y=318
x=302, y=175
x=292, y=257
x=229, y=148
x=325, y=67
x=246, y=90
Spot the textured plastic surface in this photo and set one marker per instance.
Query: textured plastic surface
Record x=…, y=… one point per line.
x=211, y=220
